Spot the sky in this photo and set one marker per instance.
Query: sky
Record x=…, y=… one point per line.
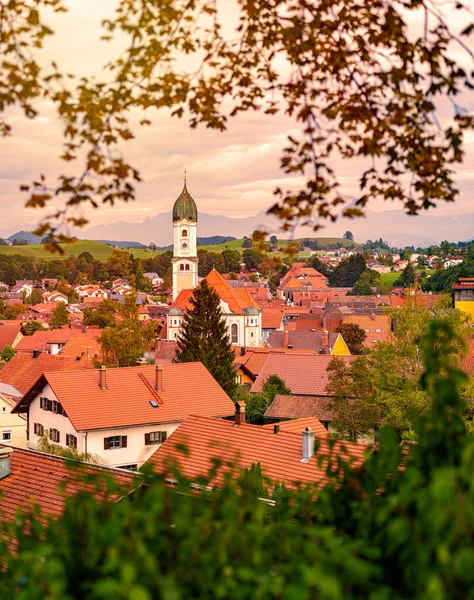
x=232, y=173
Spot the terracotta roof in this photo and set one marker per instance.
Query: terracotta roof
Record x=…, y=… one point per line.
x=80, y=346
x=239, y=447
x=187, y=387
x=23, y=370
x=292, y=283
x=37, y=341
x=301, y=340
x=299, y=425
x=272, y=319
x=302, y=373
x=299, y=407
x=8, y=334
x=35, y=478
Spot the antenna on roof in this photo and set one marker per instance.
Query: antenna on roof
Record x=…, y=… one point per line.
x=184, y=173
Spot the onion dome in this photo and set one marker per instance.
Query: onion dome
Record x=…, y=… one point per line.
x=175, y=312
x=185, y=207
x=251, y=310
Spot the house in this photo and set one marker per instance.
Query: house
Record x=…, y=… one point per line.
x=12, y=427
x=154, y=278
x=120, y=415
x=241, y=312
x=29, y=479
x=463, y=290
x=376, y=326
x=453, y=261
x=55, y=297
x=249, y=362
x=321, y=342
x=285, y=456
x=10, y=335
x=272, y=320
x=54, y=341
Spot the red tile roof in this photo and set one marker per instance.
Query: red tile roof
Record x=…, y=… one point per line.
x=9, y=333
x=299, y=425
x=35, y=478
x=279, y=454
x=302, y=373
x=187, y=388
x=37, y=341
x=272, y=319
x=299, y=407
x=79, y=346
x=23, y=370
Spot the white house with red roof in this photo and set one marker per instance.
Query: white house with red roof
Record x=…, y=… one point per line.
x=120, y=415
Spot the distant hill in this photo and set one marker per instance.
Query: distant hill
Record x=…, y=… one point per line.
x=24, y=235
x=120, y=244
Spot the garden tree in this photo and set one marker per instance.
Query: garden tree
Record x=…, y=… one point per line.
x=36, y=296
x=317, y=264
x=347, y=271
x=44, y=444
x=252, y=258
x=119, y=264
x=31, y=326
x=273, y=240
x=366, y=283
x=395, y=366
x=441, y=280
x=247, y=242
x=59, y=316
x=353, y=403
x=204, y=337
x=103, y=316
x=258, y=402
x=3, y=242
x=354, y=336
x=68, y=291
x=407, y=277
x=87, y=256
x=269, y=265
x=406, y=254
x=348, y=236
x=11, y=312
x=208, y=261
x=421, y=261
x=232, y=260
x=446, y=247
x=377, y=532
x=7, y=353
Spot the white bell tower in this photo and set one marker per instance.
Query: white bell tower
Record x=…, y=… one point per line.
x=185, y=260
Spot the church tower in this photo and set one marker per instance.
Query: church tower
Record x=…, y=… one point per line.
x=185, y=260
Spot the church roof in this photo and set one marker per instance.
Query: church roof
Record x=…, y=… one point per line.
x=185, y=207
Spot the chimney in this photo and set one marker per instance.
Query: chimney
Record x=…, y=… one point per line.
x=276, y=428
x=285, y=339
x=159, y=378
x=325, y=341
x=242, y=351
x=5, y=469
x=103, y=378
x=239, y=413
x=308, y=444
x=372, y=316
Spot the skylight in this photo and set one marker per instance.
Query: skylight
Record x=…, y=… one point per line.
x=154, y=403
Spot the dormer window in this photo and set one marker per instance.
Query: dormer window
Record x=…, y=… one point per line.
x=185, y=233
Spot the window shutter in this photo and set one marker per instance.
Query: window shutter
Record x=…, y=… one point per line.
x=43, y=403
x=67, y=439
x=106, y=443
x=49, y=405
x=147, y=439
x=58, y=437
x=124, y=441
x=163, y=436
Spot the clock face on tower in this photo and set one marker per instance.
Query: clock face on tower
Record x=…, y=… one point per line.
x=184, y=245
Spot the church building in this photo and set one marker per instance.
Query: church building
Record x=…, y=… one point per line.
x=242, y=314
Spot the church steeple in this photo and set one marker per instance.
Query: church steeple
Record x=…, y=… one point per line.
x=185, y=207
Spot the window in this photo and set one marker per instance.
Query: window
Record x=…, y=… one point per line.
x=38, y=429
x=378, y=330
x=238, y=379
x=187, y=267
x=6, y=436
x=181, y=267
x=54, y=435
x=115, y=441
x=185, y=233
x=234, y=333
x=367, y=330
x=4, y=409
x=155, y=437
x=71, y=440
x=251, y=334
x=129, y=467
x=52, y=405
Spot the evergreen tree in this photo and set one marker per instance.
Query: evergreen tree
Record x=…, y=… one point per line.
x=60, y=316
x=205, y=338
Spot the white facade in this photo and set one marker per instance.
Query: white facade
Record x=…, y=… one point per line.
x=12, y=427
x=136, y=451
x=185, y=261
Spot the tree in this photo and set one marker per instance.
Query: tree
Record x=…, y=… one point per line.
x=406, y=254
x=354, y=336
x=125, y=343
x=247, y=242
x=273, y=240
x=232, y=260
x=7, y=353
x=31, y=326
x=208, y=261
x=347, y=271
x=87, y=256
x=119, y=264
x=353, y=403
x=348, y=236
x=204, y=337
x=60, y=316
x=36, y=297
x=103, y=316
x=407, y=278
x=252, y=258
x=257, y=403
